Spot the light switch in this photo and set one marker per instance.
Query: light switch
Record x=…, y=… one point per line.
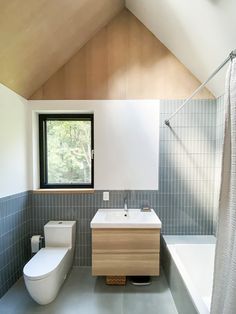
x=106, y=196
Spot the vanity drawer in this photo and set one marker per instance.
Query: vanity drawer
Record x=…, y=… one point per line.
x=126, y=264
x=126, y=240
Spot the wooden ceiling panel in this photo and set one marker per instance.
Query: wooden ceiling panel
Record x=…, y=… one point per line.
x=124, y=60
x=38, y=36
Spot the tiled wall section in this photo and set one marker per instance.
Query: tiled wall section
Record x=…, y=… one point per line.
x=187, y=167
x=190, y=154
x=14, y=237
x=82, y=208
x=220, y=123
x=186, y=197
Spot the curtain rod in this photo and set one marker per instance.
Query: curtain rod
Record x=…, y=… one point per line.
x=230, y=57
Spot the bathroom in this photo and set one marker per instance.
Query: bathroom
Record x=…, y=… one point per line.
x=122, y=69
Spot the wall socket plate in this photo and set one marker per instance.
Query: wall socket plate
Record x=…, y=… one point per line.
x=106, y=196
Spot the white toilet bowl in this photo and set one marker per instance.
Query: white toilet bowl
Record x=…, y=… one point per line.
x=45, y=273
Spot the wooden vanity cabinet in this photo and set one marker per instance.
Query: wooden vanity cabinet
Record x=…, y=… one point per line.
x=125, y=252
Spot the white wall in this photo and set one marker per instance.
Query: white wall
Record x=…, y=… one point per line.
x=200, y=33
x=14, y=148
x=126, y=140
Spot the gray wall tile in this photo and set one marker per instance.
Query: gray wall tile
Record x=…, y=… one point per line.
x=186, y=202
x=15, y=214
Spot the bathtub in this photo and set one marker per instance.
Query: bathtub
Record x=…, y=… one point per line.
x=188, y=262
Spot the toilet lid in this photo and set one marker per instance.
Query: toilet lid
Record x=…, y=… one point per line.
x=44, y=262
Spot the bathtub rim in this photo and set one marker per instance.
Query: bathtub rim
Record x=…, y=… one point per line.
x=171, y=241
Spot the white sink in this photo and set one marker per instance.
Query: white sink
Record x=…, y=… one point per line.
x=119, y=218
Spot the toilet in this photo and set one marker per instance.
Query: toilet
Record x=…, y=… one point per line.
x=46, y=271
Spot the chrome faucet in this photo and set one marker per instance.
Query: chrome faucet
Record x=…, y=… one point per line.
x=126, y=204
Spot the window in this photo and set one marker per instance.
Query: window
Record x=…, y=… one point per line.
x=66, y=150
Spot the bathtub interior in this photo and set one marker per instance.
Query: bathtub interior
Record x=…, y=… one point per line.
x=194, y=259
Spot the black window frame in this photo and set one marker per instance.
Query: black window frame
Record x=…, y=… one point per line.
x=43, y=118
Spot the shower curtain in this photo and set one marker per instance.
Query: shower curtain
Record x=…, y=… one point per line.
x=224, y=286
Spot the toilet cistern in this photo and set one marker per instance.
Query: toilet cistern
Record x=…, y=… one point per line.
x=46, y=271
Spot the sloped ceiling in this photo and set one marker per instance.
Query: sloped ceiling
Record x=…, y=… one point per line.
x=124, y=60
x=38, y=36
x=200, y=33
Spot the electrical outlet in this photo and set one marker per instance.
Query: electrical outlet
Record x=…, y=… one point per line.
x=106, y=196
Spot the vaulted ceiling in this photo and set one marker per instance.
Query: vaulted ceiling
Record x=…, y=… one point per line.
x=200, y=33
x=37, y=37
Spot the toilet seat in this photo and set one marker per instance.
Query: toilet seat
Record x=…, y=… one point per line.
x=44, y=262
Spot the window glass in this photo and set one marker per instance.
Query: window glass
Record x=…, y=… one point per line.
x=66, y=148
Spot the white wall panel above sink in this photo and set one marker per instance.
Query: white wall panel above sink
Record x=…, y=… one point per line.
x=126, y=140
x=127, y=145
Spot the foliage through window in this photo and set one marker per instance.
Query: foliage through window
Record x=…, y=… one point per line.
x=66, y=150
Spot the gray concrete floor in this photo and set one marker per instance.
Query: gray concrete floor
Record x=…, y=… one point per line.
x=84, y=294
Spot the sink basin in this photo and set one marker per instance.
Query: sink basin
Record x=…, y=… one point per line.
x=118, y=218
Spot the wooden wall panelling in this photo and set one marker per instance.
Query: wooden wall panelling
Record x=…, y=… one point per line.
x=124, y=60
x=75, y=72
x=134, y=59
x=96, y=66
x=117, y=45
x=56, y=86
